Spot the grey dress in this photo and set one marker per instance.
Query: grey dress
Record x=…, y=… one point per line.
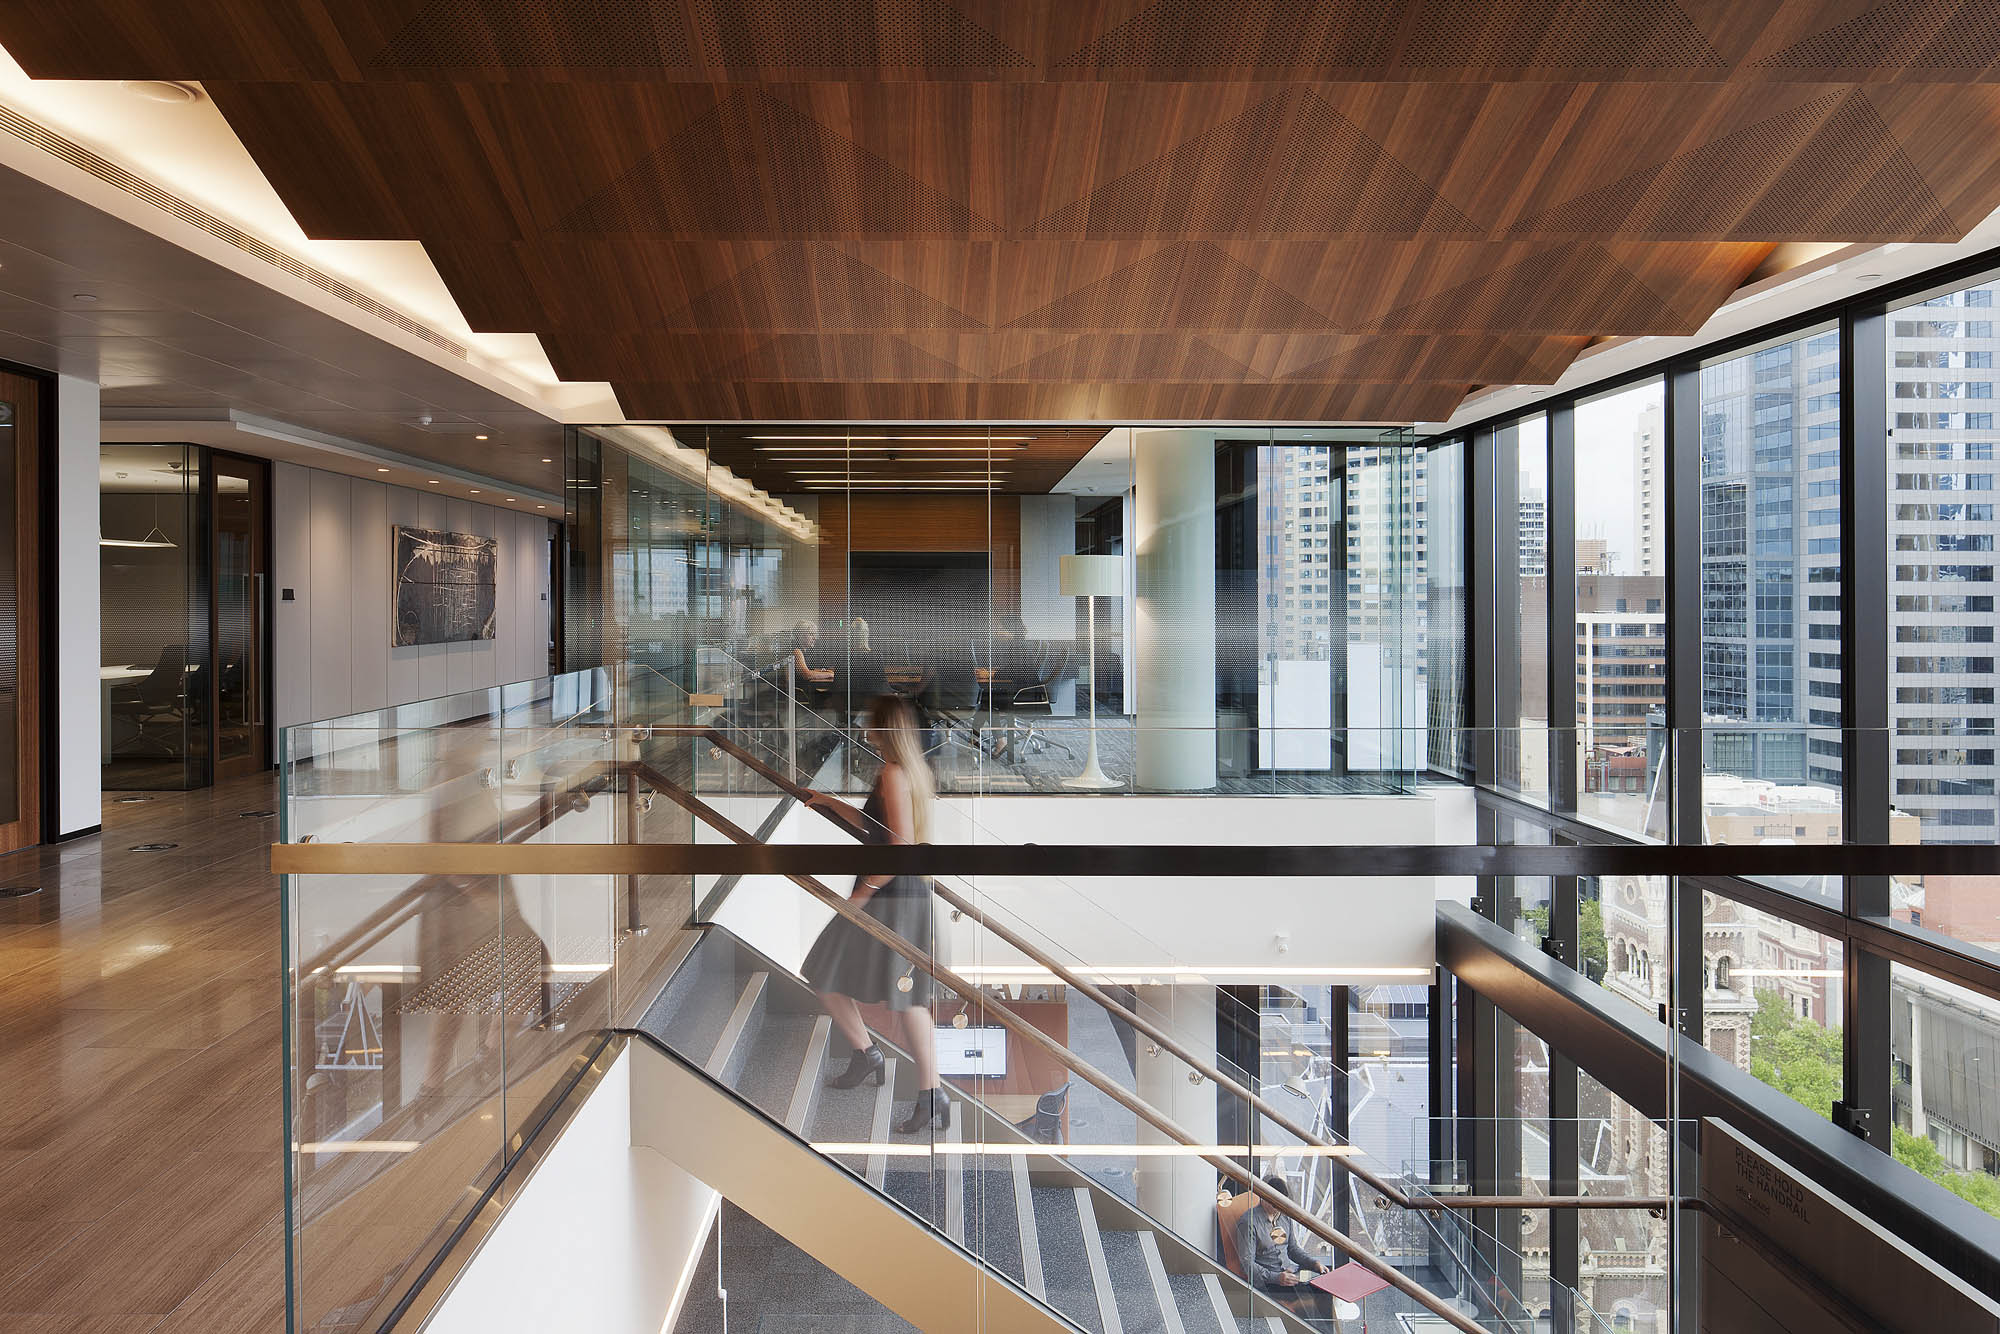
x=845, y=959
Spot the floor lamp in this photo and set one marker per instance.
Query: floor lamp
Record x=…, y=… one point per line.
x=1092, y=577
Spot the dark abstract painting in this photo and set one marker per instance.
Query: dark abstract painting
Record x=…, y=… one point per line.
x=444, y=586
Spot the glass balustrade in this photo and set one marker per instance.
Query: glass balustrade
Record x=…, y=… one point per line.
x=1080, y=1026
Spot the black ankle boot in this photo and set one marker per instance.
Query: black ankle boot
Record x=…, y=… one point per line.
x=931, y=1109
x=861, y=1066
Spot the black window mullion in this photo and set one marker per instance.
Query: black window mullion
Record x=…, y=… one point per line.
x=1864, y=601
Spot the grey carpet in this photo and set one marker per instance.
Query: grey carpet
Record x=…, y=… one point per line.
x=992, y=1227
x=774, y=1286
x=771, y=1072
x=1132, y=1284
x=1065, y=1267
x=1192, y=1298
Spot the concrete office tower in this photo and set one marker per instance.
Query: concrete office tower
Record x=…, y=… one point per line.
x=1649, y=516
x=1942, y=534
x=1770, y=562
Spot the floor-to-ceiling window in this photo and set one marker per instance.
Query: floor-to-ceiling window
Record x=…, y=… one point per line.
x=1622, y=746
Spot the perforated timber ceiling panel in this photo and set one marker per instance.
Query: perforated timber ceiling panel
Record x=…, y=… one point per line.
x=1083, y=209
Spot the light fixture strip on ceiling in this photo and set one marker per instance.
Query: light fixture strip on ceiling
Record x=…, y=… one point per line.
x=957, y=439
x=962, y=447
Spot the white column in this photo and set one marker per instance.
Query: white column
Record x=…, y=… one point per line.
x=1179, y=1191
x=72, y=687
x=1174, y=607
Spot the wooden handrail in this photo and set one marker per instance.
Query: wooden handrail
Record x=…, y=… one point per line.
x=1168, y=1043
x=1062, y=1055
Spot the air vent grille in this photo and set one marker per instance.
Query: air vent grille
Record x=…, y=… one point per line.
x=139, y=188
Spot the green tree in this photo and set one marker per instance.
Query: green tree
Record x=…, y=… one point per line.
x=1802, y=1060
x=1795, y=1056
x=1590, y=926
x=1920, y=1155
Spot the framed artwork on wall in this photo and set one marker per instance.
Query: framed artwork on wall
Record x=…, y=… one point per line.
x=444, y=586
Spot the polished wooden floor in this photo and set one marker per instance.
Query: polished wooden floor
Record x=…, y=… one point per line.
x=141, y=1182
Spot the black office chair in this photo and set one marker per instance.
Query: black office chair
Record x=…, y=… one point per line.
x=1046, y=1126
x=157, y=698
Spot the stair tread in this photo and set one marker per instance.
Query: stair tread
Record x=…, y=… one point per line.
x=771, y=1068
x=1065, y=1268
x=1197, y=1308
x=992, y=1230
x=1131, y=1283
x=691, y=1027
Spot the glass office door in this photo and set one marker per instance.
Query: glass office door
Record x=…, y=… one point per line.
x=238, y=564
x=20, y=637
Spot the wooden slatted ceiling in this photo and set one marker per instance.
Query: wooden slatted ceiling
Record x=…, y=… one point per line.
x=1062, y=209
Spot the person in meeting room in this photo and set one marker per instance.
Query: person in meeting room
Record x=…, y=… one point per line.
x=1275, y=1263
x=846, y=966
x=805, y=636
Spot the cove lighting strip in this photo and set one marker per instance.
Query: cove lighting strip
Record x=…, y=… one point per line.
x=359, y=1146
x=842, y=438
x=657, y=445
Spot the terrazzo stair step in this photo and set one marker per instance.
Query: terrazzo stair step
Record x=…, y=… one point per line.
x=992, y=1225
x=1200, y=1301
x=770, y=1067
x=1139, y=1309
x=1066, y=1269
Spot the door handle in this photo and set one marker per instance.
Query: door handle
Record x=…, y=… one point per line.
x=253, y=678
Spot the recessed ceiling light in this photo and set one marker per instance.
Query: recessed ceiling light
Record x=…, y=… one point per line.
x=1866, y=277
x=541, y=507
x=548, y=460
x=381, y=470
x=83, y=296
x=510, y=500
x=434, y=481
x=475, y=493
x=478, y=437
x=163, y=90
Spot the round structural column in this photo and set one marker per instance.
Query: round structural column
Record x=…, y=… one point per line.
x=1173, y=506
x=1179, y=1191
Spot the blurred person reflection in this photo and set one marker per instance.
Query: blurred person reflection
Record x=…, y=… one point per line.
x=846, y=966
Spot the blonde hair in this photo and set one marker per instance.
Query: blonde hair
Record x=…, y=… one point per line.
x=857, y=635
x=894, y=718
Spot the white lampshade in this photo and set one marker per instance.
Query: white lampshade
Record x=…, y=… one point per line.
x=1092, y=576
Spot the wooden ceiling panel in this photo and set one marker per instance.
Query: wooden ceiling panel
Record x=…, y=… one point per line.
x=1157, y=209
x=1106, y=402
x=1171, y=41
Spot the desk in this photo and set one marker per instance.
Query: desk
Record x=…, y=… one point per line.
x=107, y=677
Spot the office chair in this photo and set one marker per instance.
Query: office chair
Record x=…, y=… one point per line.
x=158, y=697
x=1046, y=1125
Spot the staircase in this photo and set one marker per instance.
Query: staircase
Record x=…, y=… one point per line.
x=1048, y=1229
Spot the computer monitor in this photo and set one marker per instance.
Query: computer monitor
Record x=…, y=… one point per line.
x=966, y=1052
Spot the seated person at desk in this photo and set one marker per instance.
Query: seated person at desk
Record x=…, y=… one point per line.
x=804, y=636
x=1275, y=1263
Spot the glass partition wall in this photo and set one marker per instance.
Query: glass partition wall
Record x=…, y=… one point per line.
x=1071, y=609
x=184, y=554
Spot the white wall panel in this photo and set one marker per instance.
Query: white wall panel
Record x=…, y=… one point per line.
x=333, y=547
x=291, y=562
x=71, y=686
x=331, y=631
x=369, y=613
